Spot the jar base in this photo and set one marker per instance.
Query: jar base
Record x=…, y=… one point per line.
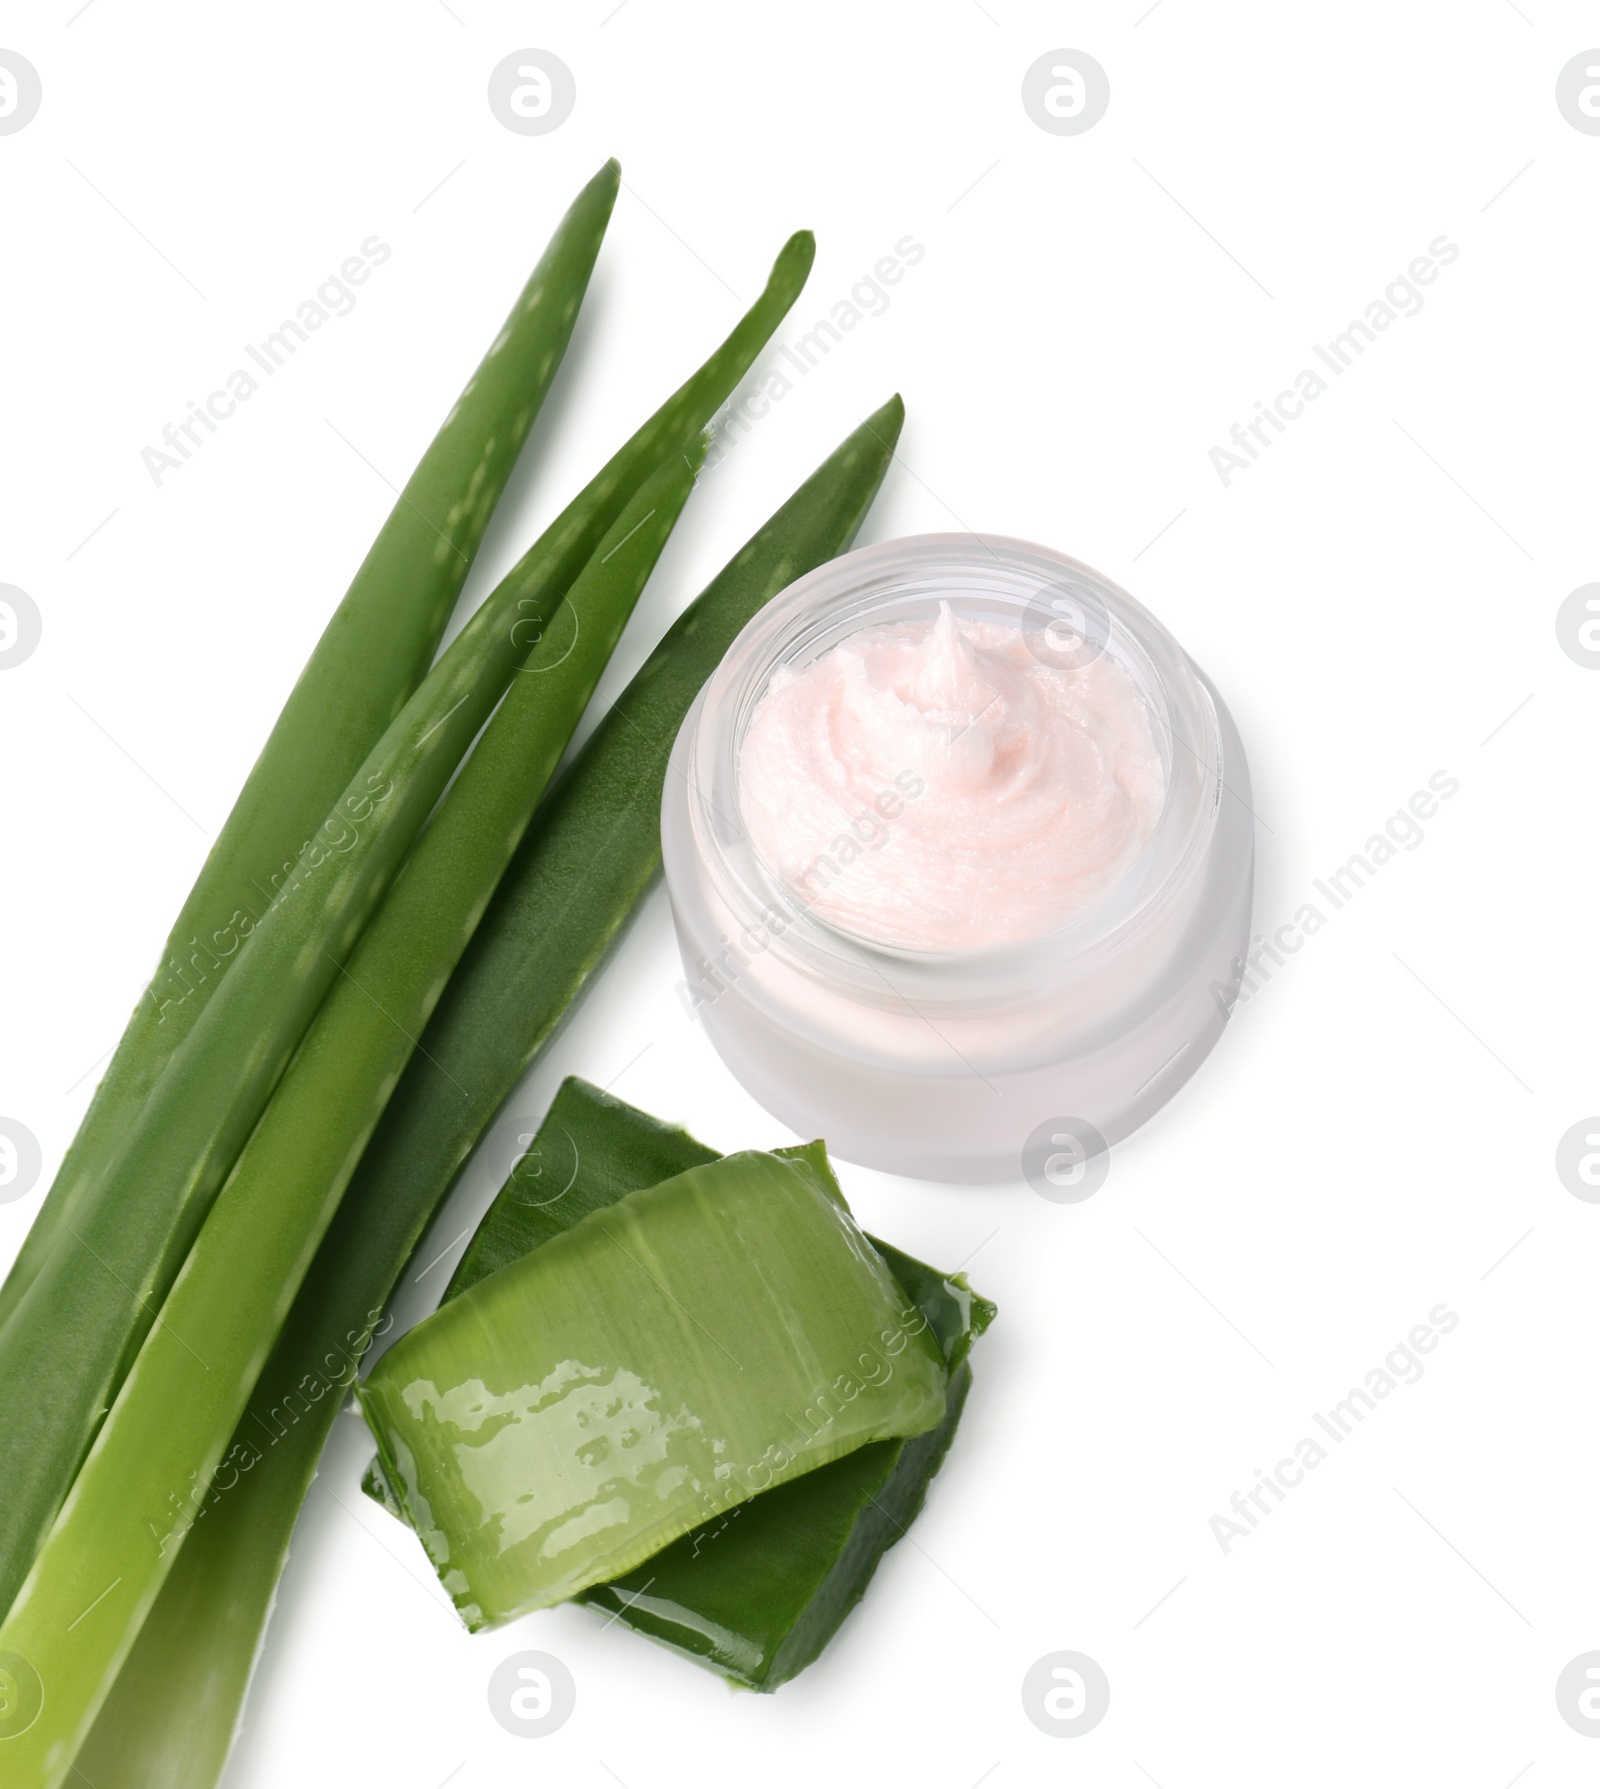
x=970, y=1128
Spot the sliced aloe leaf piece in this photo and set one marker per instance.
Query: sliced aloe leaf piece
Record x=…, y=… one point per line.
x=591, y=1151
x=664, y=1360
x=758, y=1592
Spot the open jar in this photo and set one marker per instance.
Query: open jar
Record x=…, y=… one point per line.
x=1023, y=1059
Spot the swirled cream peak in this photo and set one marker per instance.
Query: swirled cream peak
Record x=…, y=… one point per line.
x=932, y=785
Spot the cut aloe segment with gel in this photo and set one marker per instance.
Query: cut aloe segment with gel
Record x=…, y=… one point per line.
x=759, y=1592
x=755, y=1593
x=666, y=1359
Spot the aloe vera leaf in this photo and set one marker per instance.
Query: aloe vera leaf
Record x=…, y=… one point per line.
x=757, y=1593
x=374, y=652
x=591, y=1150
x=594, y=849
x=174, y=1710
x=957, y=1313
x=133, y=1229
x=131, y=1507
x=667, y=1358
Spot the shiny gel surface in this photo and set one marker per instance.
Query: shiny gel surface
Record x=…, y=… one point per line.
x=664, y=1360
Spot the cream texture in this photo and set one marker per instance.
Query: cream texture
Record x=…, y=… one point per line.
x=932, y=785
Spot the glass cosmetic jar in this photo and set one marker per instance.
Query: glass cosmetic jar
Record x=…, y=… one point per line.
x=1017, y=1060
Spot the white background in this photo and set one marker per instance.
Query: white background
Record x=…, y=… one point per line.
x=1375, y=598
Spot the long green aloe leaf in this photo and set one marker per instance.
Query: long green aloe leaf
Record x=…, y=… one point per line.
x=175, y=1708
x=594, y=850
x=755, y=1594
x=664, y=1359
x=129, y=1234
x=373, y=654
x=137, y=1497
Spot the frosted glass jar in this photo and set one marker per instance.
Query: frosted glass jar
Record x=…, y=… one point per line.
x=1020, y=1060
